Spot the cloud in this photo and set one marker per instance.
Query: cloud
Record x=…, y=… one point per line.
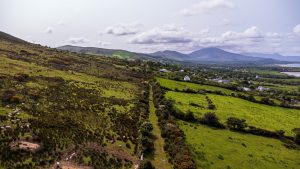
x=205, y=6
x=250, y=33
x=163, y=35
x=296, y=29
x=251, y=39
x=103, y=44
x=78, y=40
x=61, y=23
x=123, y=29
x=48, y=30
x=204, y=32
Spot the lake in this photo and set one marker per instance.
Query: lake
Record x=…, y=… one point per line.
x=297, y=74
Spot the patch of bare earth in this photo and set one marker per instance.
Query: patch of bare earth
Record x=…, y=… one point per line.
x=25, y=145
x=70, y=165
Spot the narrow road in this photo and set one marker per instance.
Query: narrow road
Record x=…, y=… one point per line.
x=160, y=160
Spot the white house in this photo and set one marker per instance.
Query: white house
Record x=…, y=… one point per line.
x=163, y=70
x=261, y=88
x=246, y=89
x=186, y=78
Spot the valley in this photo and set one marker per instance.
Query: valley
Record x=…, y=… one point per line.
x=62, y=109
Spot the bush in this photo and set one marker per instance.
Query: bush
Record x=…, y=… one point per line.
x=212, y=120
x=297, y=135
x=190, y=116
x=236, y=124
x=146, y=164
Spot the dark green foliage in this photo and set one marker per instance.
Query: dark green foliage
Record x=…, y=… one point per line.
x=175, y=144
x=211, y=119
x=236, y=124
x=146, y=164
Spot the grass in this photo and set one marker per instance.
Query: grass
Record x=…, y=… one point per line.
x=172, y=85
x=225, y=149
x=160, y=157
x=259, y=115
x=118, y=89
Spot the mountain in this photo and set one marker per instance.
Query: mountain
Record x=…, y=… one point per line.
x=202, y=56
x=275, y=56
x=171, y=55
x=214, y=56
x=124, y=54
x=7, y=37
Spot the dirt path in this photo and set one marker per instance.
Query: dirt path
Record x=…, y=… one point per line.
x=160, y=160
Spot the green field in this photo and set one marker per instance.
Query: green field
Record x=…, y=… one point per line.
x=225, y=149
x=172, y=85
x=259, y=115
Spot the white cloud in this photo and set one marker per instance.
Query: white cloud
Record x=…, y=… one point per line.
x=78, y=40
x=48, y=30
x=204, y=32
x=123, y=29
x=103, y=44
x=297, y=29
x=61, y=23
x=206, y=6
x=162, y=35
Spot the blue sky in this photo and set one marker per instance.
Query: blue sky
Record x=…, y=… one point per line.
x=267, y=26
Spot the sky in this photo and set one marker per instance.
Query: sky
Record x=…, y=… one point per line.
x=242, y=26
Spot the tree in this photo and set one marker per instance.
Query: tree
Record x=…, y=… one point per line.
x=190, y=116
x=236, y=124
x=212, y=120
x=146, y=128
x=146, y=164
x=297, y=136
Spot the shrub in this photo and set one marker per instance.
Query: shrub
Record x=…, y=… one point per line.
x=212, y=120
x=236, y=124
x=146, y=164
x=190, y=116
x=297, y=135
x=146, y=128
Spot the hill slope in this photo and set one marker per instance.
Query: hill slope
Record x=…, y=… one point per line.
x=57, y=105
x=5, y=36
x=107, y=52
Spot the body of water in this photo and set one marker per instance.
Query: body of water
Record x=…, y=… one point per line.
x=290, y=65
x=297, y=74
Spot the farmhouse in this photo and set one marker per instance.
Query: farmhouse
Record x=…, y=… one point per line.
x=219, y=80
x=163, y=70
x=261, y=88
x=246, y=89
x=186, y=78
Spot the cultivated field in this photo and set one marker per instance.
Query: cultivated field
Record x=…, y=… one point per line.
x=214, y=148
x=258, y=115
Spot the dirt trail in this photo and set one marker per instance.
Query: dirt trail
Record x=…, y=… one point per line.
x=160, y=160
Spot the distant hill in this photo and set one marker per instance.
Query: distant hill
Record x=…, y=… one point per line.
x=214, y=56
x=275, y=56
x=171, y=55
x=8, y=37
x=107, y=52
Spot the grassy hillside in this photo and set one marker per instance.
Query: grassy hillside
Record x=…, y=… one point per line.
x=263, y=116
x=225, y=149
x=65, y=103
